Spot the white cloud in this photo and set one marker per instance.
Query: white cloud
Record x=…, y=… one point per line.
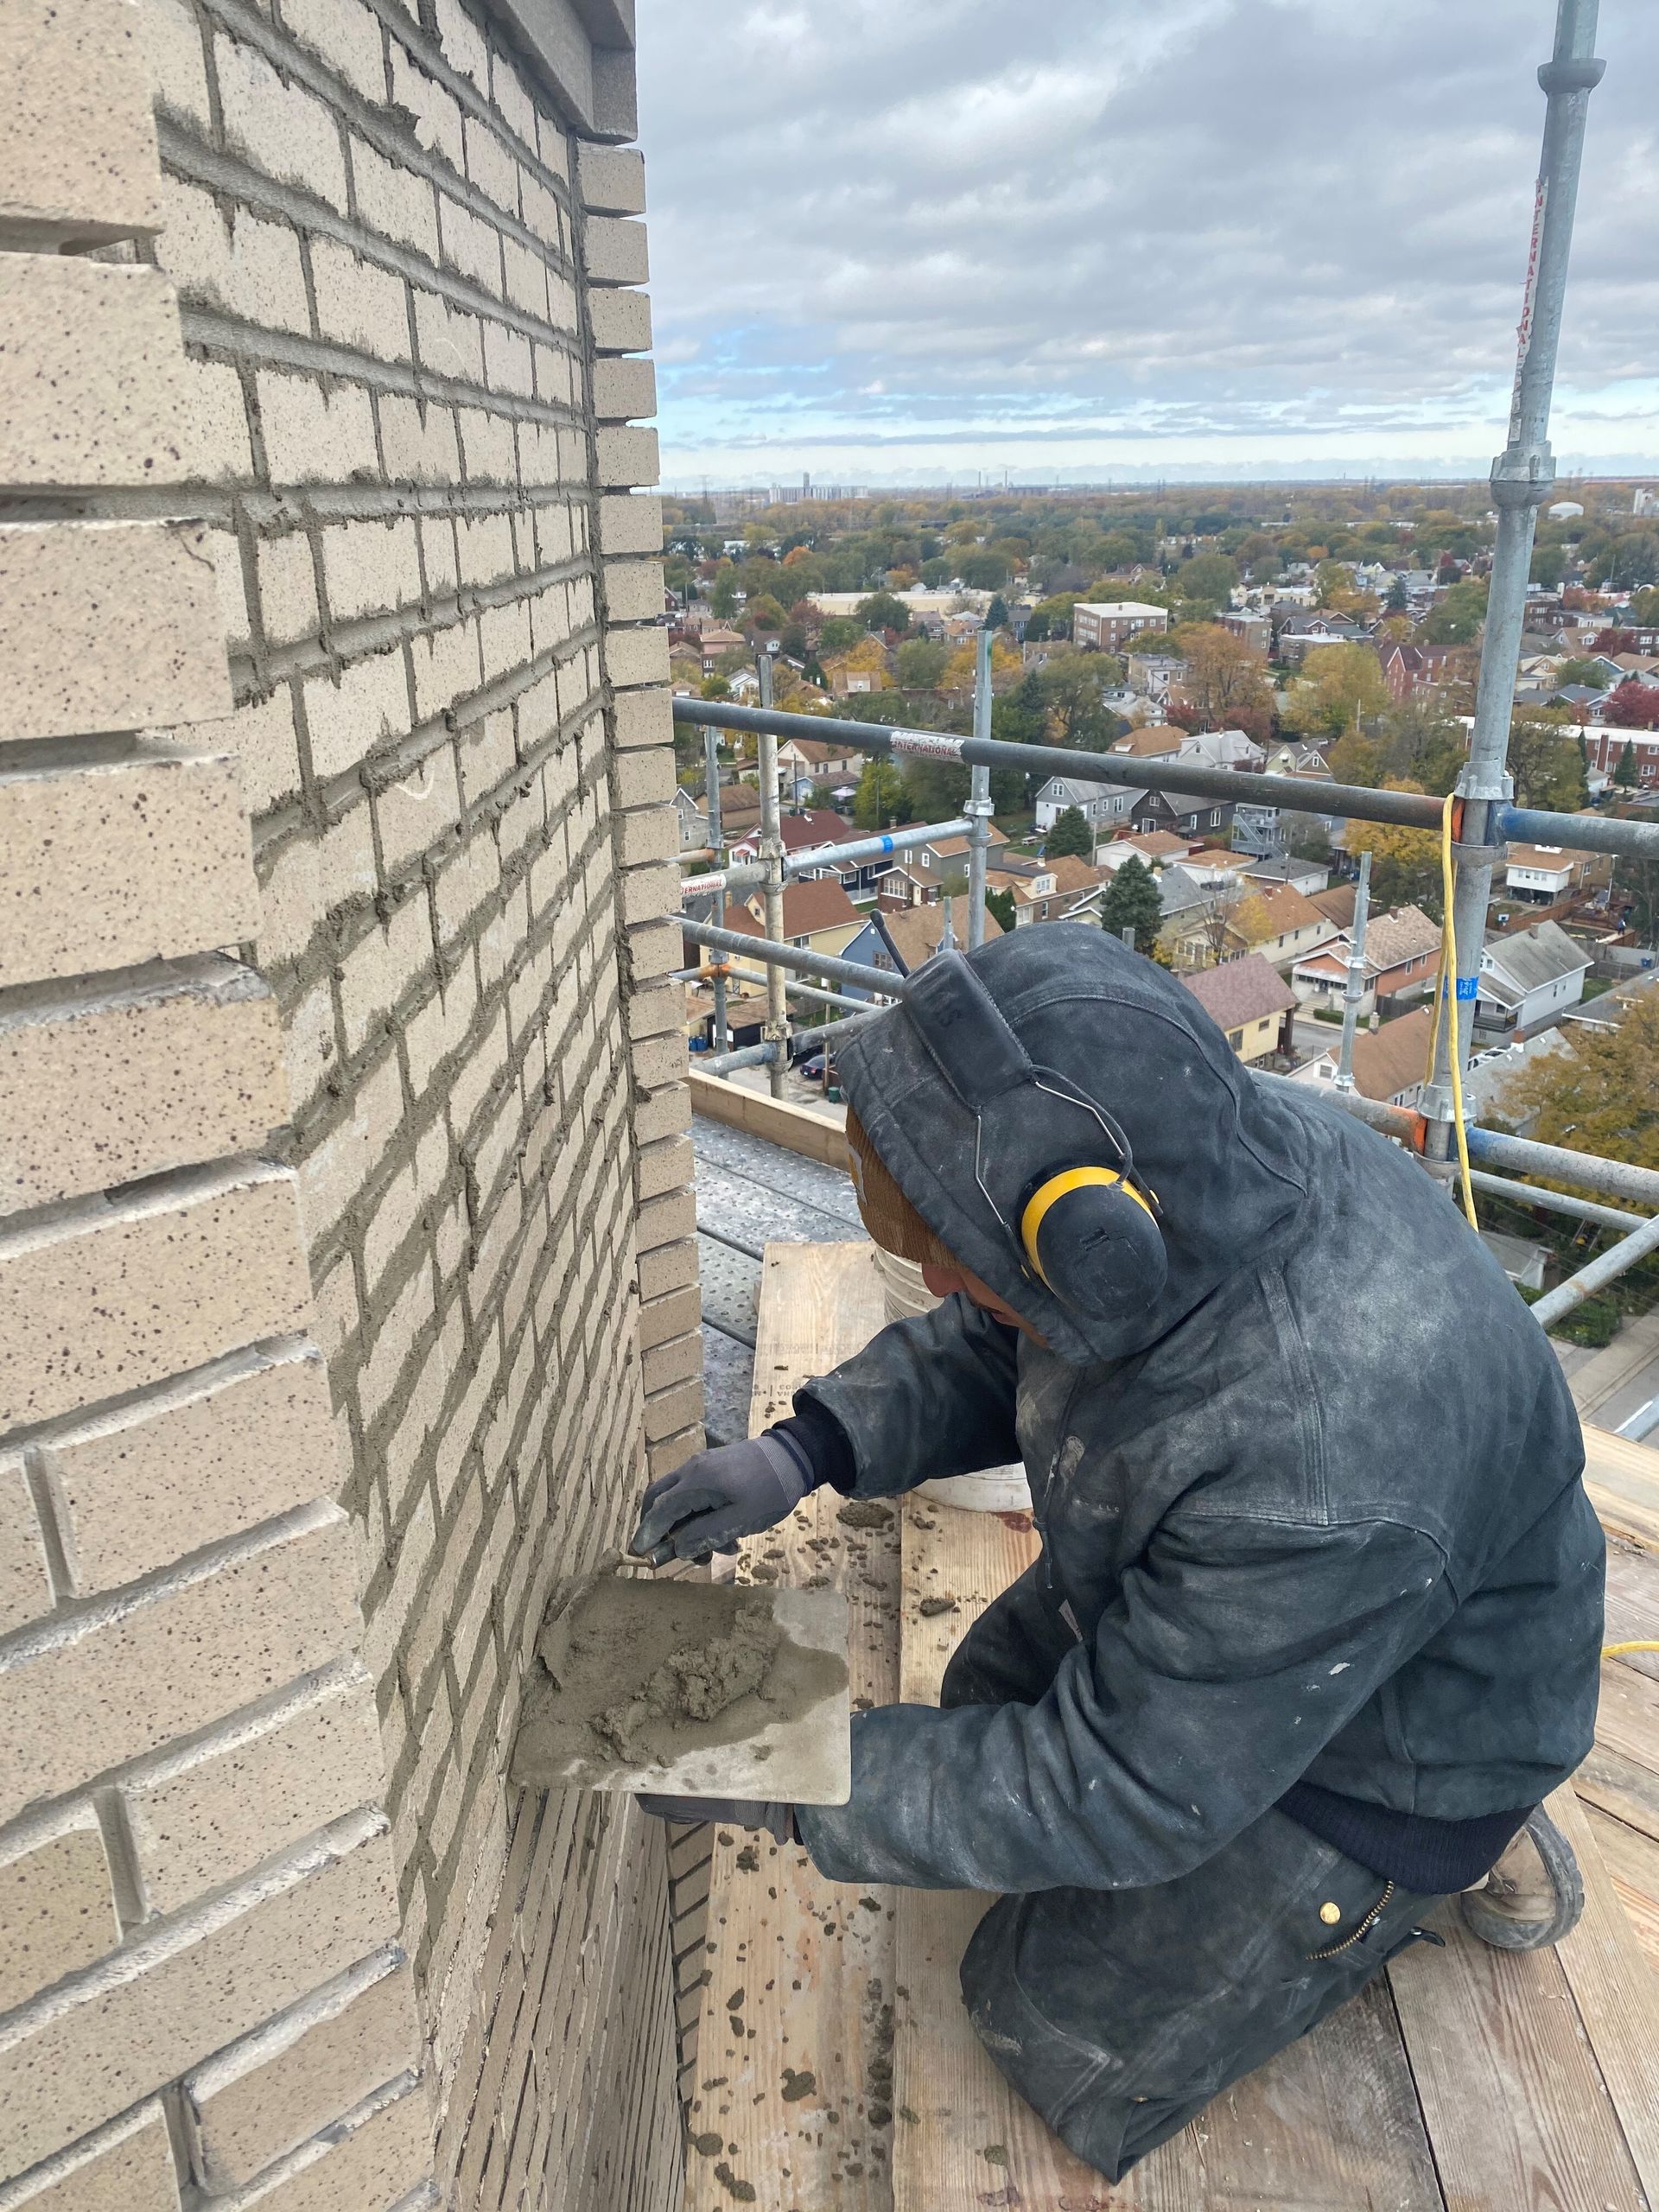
x=889, y=238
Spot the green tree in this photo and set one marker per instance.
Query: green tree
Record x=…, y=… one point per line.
x=920, y=662
x=1625, y=767
x=1070, y=833
x=722, y=596
x=983, y=570
x=1583, y=669
x=1546, y=763
x=1207, y=579
x=1630, y=562
x=839, y=633
x=882, y=795
x=996, y=614
x=1000, y=903
x=1456, y=618
x=1644, y=608
x=764, y=613
x=1131, y=902
x=1394, y=600
x=1548, y=566
x=1019, y=714
x=881, y=610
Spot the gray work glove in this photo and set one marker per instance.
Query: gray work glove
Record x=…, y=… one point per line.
x=778, y=1820
x=716, y=1496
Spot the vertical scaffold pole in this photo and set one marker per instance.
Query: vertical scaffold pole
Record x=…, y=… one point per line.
x=978, y=809
x=775, y=1029
x=1522, y=476
x=1353, y=989
x=717, y=847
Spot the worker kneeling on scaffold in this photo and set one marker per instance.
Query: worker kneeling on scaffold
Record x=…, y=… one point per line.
x=1316, y=1622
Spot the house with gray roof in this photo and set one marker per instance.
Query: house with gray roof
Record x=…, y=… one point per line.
x=1528, y=979
x=1107, y=808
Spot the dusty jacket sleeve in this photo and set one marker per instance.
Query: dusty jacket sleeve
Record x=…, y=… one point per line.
x=929, y=1396
x=1234, y=1651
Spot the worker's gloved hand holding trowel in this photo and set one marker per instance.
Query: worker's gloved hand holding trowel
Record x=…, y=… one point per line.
x=778, y=1820
x=716, y=1496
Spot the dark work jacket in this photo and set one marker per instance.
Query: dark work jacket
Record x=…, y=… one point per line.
x=1316, y=1511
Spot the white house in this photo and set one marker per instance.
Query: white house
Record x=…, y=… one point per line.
x=1540, y=872
x=1106, y=808
x=1529, y=979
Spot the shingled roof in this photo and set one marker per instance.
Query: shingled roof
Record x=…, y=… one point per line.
x=1246, y=989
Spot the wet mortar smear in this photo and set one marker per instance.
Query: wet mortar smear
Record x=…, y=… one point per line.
x=640, y=1672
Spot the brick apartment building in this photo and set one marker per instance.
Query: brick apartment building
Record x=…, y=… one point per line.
x=347, y=1286
x=1604, y=746
x=1109, y=624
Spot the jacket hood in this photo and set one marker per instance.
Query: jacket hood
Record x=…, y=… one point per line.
x=1224, y=1158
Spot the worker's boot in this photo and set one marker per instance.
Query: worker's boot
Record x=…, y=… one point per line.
x=1534, y=1894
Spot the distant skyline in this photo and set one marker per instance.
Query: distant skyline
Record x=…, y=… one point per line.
x=1200, y=240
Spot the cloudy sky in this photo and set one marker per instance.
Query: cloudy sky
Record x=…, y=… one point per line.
x=899, y=241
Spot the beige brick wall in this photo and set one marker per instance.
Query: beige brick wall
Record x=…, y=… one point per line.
x=344, y=409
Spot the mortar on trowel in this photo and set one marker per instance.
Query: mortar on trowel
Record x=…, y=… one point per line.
x=688, y=1688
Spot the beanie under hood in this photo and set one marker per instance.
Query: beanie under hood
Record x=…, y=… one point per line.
x=1222, y=1155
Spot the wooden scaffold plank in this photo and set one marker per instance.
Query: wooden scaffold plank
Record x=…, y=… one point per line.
x=1331, y=2125
x=792, y=2106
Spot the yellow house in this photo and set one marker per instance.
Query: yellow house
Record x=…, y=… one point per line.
x=818, y=917
x=1250, y=1000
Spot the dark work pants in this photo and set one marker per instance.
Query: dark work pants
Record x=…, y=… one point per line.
x=1118, y=2014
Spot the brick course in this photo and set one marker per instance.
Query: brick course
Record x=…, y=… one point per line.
x=398, y=329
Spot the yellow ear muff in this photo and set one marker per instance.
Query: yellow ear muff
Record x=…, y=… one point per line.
x=1059, y=1186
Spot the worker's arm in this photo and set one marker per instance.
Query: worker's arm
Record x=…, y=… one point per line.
x=1234, y=1651
x=928, y=1396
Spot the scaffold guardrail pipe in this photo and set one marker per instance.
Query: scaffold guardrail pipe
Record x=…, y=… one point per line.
x=749, y=875
x=1409, y=810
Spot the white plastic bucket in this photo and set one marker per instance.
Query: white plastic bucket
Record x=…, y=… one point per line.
x=994, y=1490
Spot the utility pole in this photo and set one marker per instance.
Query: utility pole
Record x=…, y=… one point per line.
x=1523, y=477
x=978, y=809
x=717, y=848
x=775, y=1029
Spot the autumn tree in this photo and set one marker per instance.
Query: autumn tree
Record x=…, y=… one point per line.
x=1250, y=922
x=868, y=657
x=1131, y=902
x=961, y=667
x=1405, y=863
x=1225, y=682
x=1074, y=713
x=764, y=614
x=1634, y=706
x=1070, y=833
x=1602, y=1096
x=1340, y=687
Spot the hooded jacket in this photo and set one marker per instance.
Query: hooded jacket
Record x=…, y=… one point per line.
x=1314, y=1512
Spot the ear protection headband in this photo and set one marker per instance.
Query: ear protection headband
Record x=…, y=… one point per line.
x=1086, y=1229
